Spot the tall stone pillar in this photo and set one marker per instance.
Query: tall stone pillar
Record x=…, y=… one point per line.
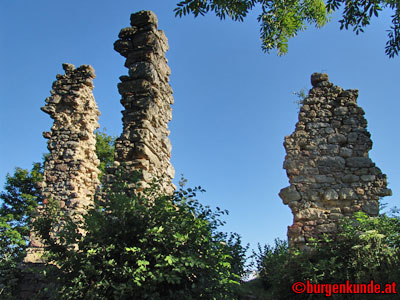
x=147, y=98
x=330, y=173
x=70, y=171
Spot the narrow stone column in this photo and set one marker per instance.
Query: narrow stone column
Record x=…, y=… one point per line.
x=70, y=171
x=327, y=162
x=147, y=97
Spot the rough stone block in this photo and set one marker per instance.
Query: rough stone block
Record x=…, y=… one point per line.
x=143, y=18
x=347, y=194
x=318, y=77
x=330, y=194
x=358, y=162
x=289, y=194
x=332, y=162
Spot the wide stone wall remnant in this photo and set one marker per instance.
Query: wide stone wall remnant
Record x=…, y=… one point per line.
x=330, y=173
x=71, y=170
x=147, y=98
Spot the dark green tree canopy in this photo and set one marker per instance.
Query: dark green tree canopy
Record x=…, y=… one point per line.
x=282, y=20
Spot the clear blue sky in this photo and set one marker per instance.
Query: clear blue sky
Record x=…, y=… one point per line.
x=233, y=103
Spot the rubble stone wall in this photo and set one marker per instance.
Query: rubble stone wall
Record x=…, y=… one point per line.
x=70, y=171
x=330, y=173
x=147, y=98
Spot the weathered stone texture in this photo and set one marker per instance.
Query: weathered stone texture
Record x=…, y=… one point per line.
x=70, y=171
x=147, y=98
x=330, y=173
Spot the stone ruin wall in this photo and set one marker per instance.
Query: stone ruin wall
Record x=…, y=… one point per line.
x=71, y=170
x=330, y=173
x=147, y=99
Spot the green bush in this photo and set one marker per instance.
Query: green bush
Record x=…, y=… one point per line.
x=363, y=249
x=144, y=245
x=19, y=201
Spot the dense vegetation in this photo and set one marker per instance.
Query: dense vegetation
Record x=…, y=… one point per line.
x=363, y=249
x=146, y=245
x=143, y=244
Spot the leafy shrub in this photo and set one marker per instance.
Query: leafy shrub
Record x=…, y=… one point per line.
x=144, y=245
x=19, y=201
x=363, y=249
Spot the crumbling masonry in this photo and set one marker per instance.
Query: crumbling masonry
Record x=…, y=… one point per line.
x=147, y=98
x=327, y=162
x=70, y=171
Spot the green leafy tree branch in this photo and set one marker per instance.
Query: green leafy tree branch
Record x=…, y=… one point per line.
x=282, y=20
